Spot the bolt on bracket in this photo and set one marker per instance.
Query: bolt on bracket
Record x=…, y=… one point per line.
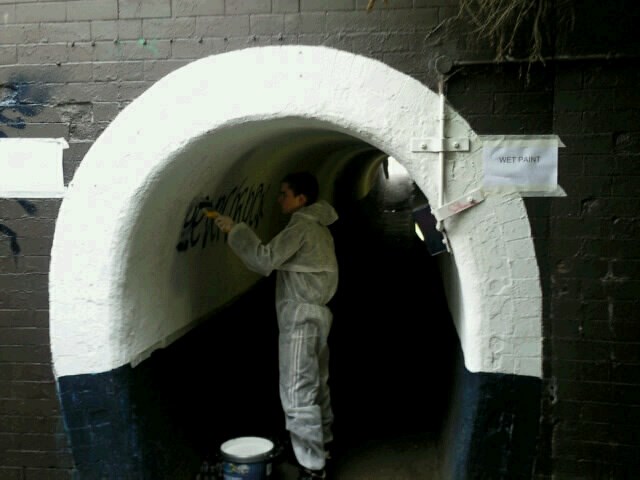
x=433, y=144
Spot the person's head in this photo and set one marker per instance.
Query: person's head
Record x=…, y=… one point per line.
x=297, y=190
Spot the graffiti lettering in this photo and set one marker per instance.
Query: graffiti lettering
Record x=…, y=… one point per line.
x=13, y=238
x=243, y=203
x=28, y=207
x=17, y=99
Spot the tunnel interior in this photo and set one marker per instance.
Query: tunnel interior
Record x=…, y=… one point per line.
x=393, y=343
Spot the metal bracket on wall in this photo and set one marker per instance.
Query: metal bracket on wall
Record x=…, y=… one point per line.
x=463, y=203
x=434, y=144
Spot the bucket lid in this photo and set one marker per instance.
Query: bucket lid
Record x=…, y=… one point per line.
x=247, y=449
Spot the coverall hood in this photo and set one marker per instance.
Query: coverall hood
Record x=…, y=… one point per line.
x=320, y=211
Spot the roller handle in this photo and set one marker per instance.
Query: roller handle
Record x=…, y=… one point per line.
x=209, y=212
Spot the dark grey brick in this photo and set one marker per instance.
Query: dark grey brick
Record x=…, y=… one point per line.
x=116, y=29
x=38, y=54
x=362, y=4
x=522, y=103
x=36, y=459
x=353, y=21
x=237, y=25
x=92, y=10
x=51, y=73
x=188, y=8
x=132, y=90
x=581, y=350
x=235, y=7
x=11, y=473
x=585, y=391
x=420, y=20
x=22, y=264
x=127, y=50
x=192, y=49
x=16, y=34
x=581, y=100
x=112, y=71
x=266, y=24
x=49, y=474
x=8, y=55
x=285, y=6
x=341, y=4
x=104, y=112
x=40, y=130
x=313, y=5
x=25, y=354
x=169, y=28
x=313, y=22
x=42, y=12
x=144, y=8
x=156, y=69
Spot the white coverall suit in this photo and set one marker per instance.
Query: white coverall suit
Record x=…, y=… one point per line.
x=307, y=278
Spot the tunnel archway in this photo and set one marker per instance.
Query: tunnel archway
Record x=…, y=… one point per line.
x=210, y=129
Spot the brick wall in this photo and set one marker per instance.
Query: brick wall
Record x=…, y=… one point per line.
x=32, y=439
x=68, y=67
x=593, y=257
x=587, y=251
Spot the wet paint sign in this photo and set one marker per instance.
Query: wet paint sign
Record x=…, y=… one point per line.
x=520, y=164
x=31, y=167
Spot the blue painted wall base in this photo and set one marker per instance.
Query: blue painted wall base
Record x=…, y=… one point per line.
x=492, y=427
x=117, y=429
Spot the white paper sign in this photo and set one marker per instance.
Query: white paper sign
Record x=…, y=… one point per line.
x=520, y=164
x=31, y=167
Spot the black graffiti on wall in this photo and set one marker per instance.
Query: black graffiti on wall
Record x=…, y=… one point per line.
x=10, y=234
x=243, y=203
x=19, y=99
x=13, y=238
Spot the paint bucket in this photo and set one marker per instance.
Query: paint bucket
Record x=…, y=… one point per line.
x=247, y=458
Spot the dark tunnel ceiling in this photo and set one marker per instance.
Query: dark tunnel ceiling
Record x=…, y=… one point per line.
x=343, y=158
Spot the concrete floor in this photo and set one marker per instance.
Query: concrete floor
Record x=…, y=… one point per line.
x=403, y=458
x=411, y=457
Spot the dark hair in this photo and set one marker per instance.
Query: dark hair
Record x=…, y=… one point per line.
x=303, y=183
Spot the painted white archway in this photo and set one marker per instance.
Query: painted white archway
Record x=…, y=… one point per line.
x=119, y=289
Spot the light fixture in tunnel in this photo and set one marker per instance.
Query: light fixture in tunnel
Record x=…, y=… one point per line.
x=424, y=221
x=425, y=226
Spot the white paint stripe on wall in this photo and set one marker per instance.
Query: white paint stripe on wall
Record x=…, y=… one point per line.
x=97, y=320
x=31, y=167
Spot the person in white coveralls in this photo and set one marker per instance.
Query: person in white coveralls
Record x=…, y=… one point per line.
x=303, y=255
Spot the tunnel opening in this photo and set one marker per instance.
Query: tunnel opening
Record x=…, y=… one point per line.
x=393, y=343
x=171, y=314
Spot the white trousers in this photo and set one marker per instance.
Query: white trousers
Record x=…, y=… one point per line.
x=304, y=375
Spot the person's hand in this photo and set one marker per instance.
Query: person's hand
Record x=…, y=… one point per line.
x=224, y=223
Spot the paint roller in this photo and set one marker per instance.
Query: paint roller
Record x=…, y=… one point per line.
x=207, y=207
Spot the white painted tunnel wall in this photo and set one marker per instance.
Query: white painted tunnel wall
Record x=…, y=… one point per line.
x=114, y=294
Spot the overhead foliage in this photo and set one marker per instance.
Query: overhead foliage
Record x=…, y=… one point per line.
x=372, y=3
x=513, y=28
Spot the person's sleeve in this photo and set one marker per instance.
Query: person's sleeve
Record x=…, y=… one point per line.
x=260, y=258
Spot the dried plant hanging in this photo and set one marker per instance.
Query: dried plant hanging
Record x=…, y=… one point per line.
x=514, y=28
x=501, y=21
x=372, y=4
